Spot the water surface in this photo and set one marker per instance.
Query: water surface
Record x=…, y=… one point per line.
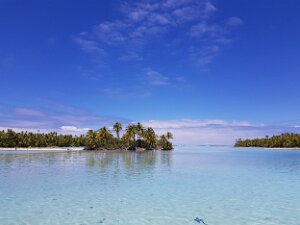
x=223, y=186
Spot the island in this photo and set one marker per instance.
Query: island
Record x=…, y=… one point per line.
x=135, y=137
x=285, y=140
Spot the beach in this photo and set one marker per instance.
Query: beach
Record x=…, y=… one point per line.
x=44, y=149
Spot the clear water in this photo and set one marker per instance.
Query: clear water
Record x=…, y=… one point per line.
x=222, y=186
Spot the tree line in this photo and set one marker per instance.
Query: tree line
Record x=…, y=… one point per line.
x=12, y=139
x=135, y=136
x=285, y=140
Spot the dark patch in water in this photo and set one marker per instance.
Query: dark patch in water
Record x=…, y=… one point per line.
x=198, y=220
x=101, y=221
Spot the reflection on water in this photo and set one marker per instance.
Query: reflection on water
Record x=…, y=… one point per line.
x=219, y=185
x=103, y=160
x=129, y=160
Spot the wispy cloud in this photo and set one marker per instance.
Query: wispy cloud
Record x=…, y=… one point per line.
x=234, y=21
x=74, y=129
x=190, y=123
x=215, y=132
x=205, y=55
x=157, y=79
x=142, y=22
x=27, y=112
x=89, y=46
x=131, y=56
x=129, y=92
x=71, y=120
x=149, y=80
x=55, y=117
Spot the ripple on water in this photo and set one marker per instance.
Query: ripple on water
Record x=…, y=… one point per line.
x=220, y=186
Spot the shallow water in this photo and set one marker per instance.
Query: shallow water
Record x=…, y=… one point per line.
x=222, y=186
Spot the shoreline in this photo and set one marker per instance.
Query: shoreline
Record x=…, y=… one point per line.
x=279, y=148
x=43, y=149
x=74, y=149
x=298, y=148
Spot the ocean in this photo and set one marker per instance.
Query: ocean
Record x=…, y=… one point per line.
x=219, y=185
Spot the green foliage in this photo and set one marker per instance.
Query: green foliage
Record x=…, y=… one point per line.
x=11, y=139
x=117, y=128
x=286, y=140
x=164, y=142
x=135, y=136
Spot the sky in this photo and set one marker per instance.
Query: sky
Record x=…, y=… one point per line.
x=210, y=71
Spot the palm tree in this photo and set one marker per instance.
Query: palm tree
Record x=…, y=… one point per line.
x=163, y=138
x=117, y=128
x=149, y=137
x=103, y=134
x=169, y=135
x=91, y=139
x=131, y=131
x=165, y=143
x=139, y=129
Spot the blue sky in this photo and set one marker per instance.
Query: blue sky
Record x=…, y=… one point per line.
x=209, y=71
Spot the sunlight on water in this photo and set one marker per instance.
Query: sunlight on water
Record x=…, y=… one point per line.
x=219, y=185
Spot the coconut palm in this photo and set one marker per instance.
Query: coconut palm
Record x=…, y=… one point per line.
x=164, y=143
x=91, y=139
x=149, y=137
x=139, y=129
x=131, y=132
x=103, y=135
x=117, y=128
x=169, y=135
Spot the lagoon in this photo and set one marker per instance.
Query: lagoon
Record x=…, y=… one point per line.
x=221, y=185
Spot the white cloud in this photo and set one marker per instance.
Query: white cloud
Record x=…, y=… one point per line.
x=131, y=56
x=205, y=55
x=157, y=79
x=34, y=130
x=204, y=29
x=211, y=132
x=111, y=32
x=145, y=20
x=190, y=123
x=89, y=46
x=54, y=118
x=28, y=112
x=186, y=131
x=214, y=135
x=74, y=129
x=209, y=7
x=234, y=21
x=63, y=130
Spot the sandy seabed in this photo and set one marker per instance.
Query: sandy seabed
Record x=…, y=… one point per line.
x=44, y=148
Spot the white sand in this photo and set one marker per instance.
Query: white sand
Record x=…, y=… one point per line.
x=44, y=149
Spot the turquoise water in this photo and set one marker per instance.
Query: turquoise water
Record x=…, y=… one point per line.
x=223, y=186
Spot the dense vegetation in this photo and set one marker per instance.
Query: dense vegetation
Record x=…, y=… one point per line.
x=11, y=139
x=286, y=140
x=135, y=137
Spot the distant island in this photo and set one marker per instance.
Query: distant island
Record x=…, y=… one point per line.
x=286, y=140
x=135, y=137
